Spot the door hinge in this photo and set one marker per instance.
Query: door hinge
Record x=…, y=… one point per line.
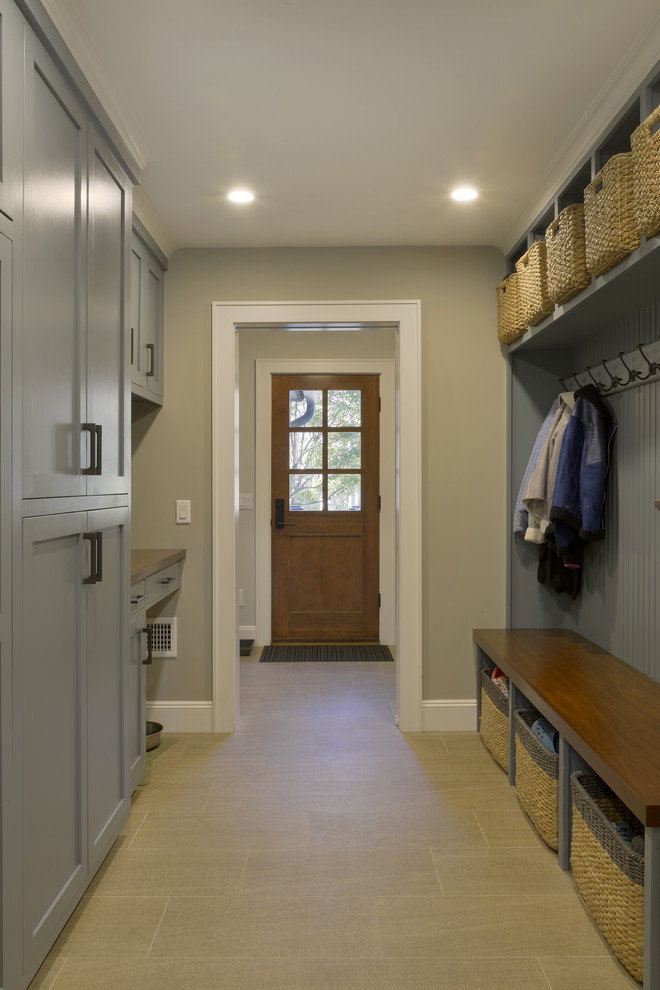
x=379, y=600
x=379, y=404
x=379, y=503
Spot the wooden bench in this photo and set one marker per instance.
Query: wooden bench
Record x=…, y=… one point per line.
x=608, y=717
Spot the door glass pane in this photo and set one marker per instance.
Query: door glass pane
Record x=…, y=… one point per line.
x=305, y=407
x=344, y=450
x=306, y=492
x=344, y=492
x=305, y=450
x=344, y=407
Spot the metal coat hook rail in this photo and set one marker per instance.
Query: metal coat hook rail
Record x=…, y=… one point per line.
x=633, y=368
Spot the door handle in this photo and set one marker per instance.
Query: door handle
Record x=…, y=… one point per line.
x=150, y=652
x=279, y=515
x=96, y=561
x=95, y=448
x=152, y=361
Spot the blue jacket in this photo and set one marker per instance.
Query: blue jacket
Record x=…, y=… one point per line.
x=579, y=496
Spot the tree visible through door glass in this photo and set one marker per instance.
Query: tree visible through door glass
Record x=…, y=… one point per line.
x=305, y=451
x=305, y=407
x=344, y=407
x=344, y=492
x=306, y=492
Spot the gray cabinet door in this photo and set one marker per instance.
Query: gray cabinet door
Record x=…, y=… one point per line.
x=11, y=89
x=138, y=269
x=152, y=353
x=77, y=229
x=107, y=384
x=55, y=449
x=50, y=726
x=136, y=700
x=108, y=794
x=147, y=312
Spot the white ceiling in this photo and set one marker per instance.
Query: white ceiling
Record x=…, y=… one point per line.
x=352, y=119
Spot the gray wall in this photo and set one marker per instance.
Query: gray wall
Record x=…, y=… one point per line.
x=463, y=436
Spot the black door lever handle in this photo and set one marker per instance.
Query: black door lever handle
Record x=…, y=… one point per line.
x=279, y=515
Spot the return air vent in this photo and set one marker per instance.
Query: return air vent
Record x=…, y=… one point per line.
x=163, y=637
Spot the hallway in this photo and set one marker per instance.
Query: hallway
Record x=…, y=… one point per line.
x=318, y=848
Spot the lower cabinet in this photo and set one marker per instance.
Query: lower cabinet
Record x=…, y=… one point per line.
x=139, y=655
x=70, y=727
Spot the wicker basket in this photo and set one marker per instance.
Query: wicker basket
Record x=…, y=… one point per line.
x=535, y=303
x=609, y=215
x=494, y=720
x=510, y=324
x=566, y=254
x=537, y=778
x=608, y=872
x=646, y=175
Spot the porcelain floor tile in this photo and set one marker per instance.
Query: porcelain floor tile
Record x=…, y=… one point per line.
x=587, y=974
x=365, y=872
x=111, y=926
x=256, y=927
x=178, y=974
x=469, y=926
x=424, y=974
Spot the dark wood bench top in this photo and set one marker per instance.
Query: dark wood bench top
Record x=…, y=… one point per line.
x=608, y=711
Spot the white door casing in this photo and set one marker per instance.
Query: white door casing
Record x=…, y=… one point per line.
x=227, y=319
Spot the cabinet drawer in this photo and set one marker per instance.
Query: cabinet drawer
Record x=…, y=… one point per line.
x=163, y=582
x=138, y=596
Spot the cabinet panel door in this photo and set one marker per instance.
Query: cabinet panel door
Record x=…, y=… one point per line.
x=11, y=89
x=152, y=351
x=138, y=268
x=108, y=796
x=106, y=373
x=53, y=341
x=51, y=721
x=136, y=702
x=6, y=251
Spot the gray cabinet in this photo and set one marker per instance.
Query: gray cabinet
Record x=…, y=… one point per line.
x=77, y=209
x=136, y=704
x=11, y=72
x=70, y=731
x=146, y=316
x=66, y=204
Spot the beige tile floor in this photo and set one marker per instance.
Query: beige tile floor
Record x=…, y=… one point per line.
x=318, y=848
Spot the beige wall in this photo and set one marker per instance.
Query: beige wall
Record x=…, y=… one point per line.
x=463, y=438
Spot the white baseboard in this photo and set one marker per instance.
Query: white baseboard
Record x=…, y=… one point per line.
x=182, y=716
x=247, y=632
x=454, y=715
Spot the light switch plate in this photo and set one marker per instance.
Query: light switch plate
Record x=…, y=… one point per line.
x=245, y=501
x=182, y=511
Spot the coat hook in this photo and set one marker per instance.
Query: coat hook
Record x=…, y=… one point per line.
x=599, y=385
x=653, y=367
x=632, y=373
x=615, y=381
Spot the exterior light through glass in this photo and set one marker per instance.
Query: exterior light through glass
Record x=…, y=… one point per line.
x=241, y=196
x=464, y=193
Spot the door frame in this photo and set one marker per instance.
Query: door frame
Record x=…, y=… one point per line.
x=228, y=318
x=265, y=368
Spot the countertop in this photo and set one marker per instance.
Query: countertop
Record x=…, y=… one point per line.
x=146, y=562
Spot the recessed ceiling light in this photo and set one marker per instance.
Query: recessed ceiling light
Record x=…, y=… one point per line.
x=241, y=196
x=464, y=193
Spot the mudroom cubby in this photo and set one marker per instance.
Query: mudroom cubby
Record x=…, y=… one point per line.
x=591, y=664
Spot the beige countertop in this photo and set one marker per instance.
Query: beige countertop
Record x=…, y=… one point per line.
x=146, y=562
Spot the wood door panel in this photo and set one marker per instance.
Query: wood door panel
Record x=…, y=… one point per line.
x=325, y=567
x=319, y=558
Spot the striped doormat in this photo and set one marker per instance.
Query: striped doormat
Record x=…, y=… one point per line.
x=324, y=653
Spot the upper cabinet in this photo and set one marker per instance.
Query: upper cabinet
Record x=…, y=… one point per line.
x=11, y=73
x=77, y=221
x=148, y=266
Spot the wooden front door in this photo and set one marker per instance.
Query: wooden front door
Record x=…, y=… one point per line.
x=325, y=505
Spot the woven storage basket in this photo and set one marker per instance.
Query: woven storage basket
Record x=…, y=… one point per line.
x=566, y=254
x=495, y=720
x=608, y=872
x=646, y=174
x=510, y=324
x=537, y=778
x=535, y=303
x=609, y=215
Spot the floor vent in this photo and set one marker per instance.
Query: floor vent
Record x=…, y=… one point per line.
x=163, y=637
